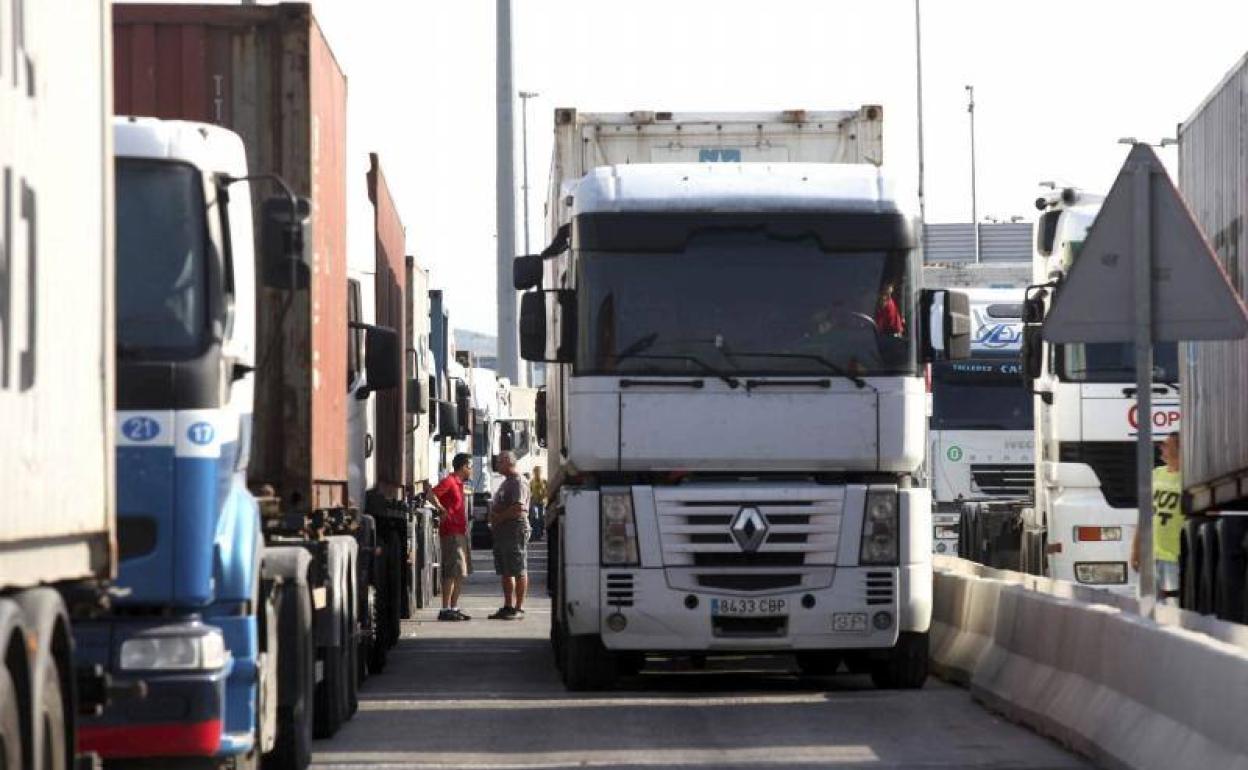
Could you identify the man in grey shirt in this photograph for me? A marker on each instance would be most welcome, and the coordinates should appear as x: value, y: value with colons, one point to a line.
x: 509, y: 524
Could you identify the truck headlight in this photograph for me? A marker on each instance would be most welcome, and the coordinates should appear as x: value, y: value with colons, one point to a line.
x: 880, y: 530
x: 619, y: 529
x: 202, y: 651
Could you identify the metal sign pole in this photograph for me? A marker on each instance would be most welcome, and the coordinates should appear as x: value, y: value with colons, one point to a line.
x: 1142, y: 242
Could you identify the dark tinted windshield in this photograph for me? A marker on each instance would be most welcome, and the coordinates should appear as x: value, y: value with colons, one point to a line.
x: 1115, y: 362
x: 746, y: 302
x: 980, y: 394
x: 161, y: 266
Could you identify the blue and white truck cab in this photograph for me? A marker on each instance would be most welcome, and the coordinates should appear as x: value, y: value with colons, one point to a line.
x: 192, y: 618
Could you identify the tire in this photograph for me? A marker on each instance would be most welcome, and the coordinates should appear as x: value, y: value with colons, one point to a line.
x: 818, y: 662
x: 393, y: 619
x: 1231, y: 565
x: 905, y: 667
x: 330, y: 700
x: 1206, y: 578
x: 587, y: 665
x: 366, y: 664
x: 1189, y: 564
x: 53, y: 750
x: 296, y: 680
x: 964, y: 535
x: 10, y: 723
x: 351, y: 638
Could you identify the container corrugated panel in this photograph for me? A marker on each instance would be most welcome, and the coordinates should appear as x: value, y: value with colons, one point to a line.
x: 391, y: 280
x: 1213, y: 178
x: 267, y: 73
x: 998, y: 242
x: 56, y: 295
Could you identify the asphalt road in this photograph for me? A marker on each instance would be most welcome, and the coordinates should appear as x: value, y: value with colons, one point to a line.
x: 484, y: 695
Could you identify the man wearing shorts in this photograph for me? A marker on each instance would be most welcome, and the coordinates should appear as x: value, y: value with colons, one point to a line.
x: 448, y: 498
x: 509, y: 525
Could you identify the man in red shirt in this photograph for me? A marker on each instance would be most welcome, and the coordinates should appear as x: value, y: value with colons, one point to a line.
x: 448, y: 499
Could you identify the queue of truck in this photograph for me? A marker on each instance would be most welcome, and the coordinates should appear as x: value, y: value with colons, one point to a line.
x: 217, y: 516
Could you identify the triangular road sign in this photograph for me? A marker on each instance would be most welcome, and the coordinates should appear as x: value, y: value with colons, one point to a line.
x: 1192, y: 299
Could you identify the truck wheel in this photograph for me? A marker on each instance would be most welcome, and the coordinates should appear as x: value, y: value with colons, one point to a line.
x: 351, y: 638
x: 905, y: 668
x: 296, y: 679
x: 1206, y: 585
x: 331, y: 693
x: 10, y: 724
x: 51, y: 711
x: 1189, y: 564
x: 393, y: 623
x: 587, y: 665
x: 1231, y: 564
x: 365, y: 663
x: 818, y: 662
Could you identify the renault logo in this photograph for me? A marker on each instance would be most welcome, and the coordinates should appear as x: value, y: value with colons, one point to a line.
x: 749, y: 529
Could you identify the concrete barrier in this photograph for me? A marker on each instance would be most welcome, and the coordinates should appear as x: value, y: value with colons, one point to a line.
x: 1081, y: 666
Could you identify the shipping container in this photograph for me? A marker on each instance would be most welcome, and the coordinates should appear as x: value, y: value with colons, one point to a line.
x: 56, y: 296
x: 389, y: 242
x: 585, y: 140
x: 267, y: 73
x: 1213, y: 178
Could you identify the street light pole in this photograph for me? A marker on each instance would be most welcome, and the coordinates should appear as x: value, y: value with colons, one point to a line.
x: 970, y: 108
x: 918, y: 73
x: 525, y: 96
x: 508, y: 330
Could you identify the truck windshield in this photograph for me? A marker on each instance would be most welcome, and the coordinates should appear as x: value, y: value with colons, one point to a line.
x: 1115, y: 362
x: 980, y: 394
x: 746, y: 303
x: 161, y: 265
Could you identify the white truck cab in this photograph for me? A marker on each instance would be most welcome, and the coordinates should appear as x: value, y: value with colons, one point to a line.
x: 980, y: 444
x: 1083, y: 519
x: 736, y: 417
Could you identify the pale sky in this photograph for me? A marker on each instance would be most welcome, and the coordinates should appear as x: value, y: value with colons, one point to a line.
x: 1057, y: 84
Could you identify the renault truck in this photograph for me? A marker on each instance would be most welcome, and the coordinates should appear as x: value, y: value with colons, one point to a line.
x: 731, y: 313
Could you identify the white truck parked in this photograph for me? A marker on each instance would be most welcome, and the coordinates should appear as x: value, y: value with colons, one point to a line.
x: 58, y: 536
x: 1083, y: 519
x: 980, y: 445
x: 736, y: 404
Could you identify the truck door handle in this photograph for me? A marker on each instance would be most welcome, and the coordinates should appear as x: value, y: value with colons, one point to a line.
x: 1129, y: 392
x: 662, y: 383
x: 752, y: 384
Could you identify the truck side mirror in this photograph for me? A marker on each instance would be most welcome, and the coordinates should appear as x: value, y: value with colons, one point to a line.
x: 946, y: 335
x: 536, y: 308
x: 285, y: 243
x: 539, y: 426
x: 506, y: 437
x: 448, y: 420
x: 463, y: 409
x: 1032, y: 353
x: 382, y: 362
x: 417, y: 399
x: 526, y: 271
x: 1033, y: 309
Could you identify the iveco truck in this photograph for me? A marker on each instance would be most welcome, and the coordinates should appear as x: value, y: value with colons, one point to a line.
x: 1083, y: 518
x: 736, y: 405
x: 980, y: 446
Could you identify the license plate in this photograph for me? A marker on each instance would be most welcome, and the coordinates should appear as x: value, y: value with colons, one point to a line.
x: 849, y: 622
x: 749, y: 608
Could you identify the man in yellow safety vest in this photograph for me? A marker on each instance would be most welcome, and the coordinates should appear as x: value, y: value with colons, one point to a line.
x: 1167, y: 521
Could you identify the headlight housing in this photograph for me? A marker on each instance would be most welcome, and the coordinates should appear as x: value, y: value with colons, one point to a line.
x: 194, y: 649
x: 619, y: 529
x: 881, y: 531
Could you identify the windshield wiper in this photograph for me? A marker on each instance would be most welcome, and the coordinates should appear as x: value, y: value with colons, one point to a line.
x: 638, y: 345
x: 832, y: 366
x: 731, y: 381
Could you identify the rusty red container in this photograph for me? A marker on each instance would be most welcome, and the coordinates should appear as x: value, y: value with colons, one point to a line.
x: 267, y: 73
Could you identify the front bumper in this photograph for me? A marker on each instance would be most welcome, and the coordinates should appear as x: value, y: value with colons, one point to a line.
x: 663, y: 612
x: 181, y: 715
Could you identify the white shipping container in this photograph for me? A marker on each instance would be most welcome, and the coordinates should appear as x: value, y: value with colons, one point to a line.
x: 1213, y: 178
x: 56, y: 292
x: 584, y: 141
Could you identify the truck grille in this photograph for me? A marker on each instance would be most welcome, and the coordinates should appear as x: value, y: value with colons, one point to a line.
x: 1003, y: 479
x: 802, y: 525
x: 1113, y: 462
x: 619, y: 589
